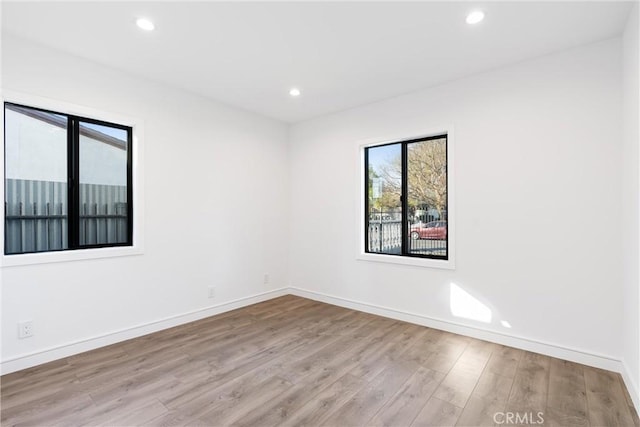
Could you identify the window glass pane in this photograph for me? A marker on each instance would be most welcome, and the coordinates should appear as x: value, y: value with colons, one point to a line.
x: 35, y: 180
x: 103, y: 184
x: 427, y: 197
x: 384, y: 225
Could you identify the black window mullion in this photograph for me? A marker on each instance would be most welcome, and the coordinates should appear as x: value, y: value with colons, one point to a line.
x: 404, y: 200
x: 446, y: 180
x: 4, y: 176
x: 130, y: 187
x: 73, y: 168
x: 366, y: 200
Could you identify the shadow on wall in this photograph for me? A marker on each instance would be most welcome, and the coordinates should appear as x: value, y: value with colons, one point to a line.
x: 466, y: 306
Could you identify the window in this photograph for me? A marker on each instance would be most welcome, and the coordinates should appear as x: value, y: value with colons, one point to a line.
x: 406, y: 198
x: 68, y: 182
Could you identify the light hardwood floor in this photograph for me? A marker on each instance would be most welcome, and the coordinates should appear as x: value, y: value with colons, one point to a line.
x: 292, y: 361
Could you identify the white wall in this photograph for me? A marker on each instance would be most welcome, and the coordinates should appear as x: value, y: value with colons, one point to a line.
x: 631, y: 208
x: 538, y: 202
x: 216, y: 195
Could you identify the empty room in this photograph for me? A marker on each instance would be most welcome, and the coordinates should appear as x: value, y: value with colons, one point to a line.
x: 320, y: 213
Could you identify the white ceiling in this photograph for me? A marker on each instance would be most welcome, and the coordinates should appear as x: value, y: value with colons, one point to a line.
x: 340, y: 55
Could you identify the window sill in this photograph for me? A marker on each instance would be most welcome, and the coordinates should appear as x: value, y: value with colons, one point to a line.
x: 405, y: 260
x: 68, y: 256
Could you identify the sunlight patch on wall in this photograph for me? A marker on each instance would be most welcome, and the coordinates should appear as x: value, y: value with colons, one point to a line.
x: 468, y: 307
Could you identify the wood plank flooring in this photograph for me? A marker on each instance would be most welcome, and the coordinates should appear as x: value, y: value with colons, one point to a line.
x: 292, y: 362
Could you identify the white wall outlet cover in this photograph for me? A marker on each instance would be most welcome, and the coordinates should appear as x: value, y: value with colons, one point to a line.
x: 25, y: 329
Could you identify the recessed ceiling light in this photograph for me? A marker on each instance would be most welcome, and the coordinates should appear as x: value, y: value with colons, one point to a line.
x: 145, y: 24
x: 475, y: 17
x: 294, y: 91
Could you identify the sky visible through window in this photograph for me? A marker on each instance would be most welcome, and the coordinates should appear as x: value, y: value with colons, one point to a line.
x: 382, y: 155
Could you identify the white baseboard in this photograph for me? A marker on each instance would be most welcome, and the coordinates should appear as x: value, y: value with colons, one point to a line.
x: 58, y: 352
x: 549, y: 349
x: 632, y: 386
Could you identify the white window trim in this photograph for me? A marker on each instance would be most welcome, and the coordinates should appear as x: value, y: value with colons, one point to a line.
x: 137, y: 124
x: 448, y: 264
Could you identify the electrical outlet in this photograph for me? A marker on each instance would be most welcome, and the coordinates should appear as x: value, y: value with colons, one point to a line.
x: 25, y: 329
x: 266, y: 278
x: 212, y: 292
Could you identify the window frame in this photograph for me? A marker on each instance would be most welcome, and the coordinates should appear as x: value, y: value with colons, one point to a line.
x: 405, y: 258
x: 135, y: 192
x: 75, y: 196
